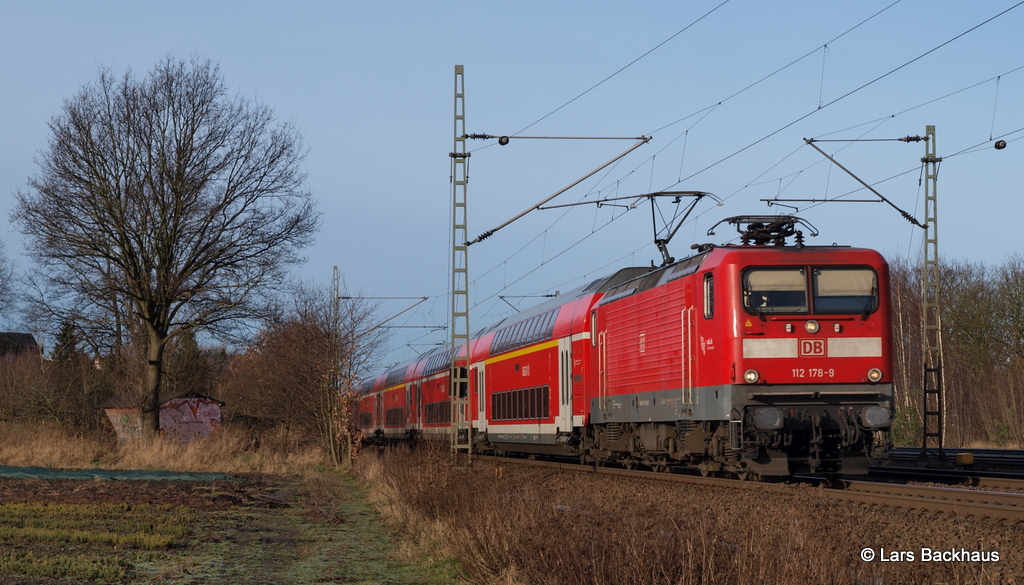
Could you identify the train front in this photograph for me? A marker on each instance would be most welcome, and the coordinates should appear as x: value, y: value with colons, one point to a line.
x: 811, y: 376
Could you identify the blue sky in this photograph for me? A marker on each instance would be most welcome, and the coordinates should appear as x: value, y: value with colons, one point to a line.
x: 370, y: 84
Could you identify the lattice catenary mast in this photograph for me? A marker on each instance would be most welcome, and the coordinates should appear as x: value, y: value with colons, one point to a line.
x: 461, y: 439
x: 932, y: 402
x: 932, y: 407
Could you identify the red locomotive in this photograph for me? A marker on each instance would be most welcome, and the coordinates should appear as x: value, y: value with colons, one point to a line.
x: 759, y: 358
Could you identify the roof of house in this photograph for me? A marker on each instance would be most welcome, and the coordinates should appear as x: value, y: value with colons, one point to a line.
x: 165, y: 397
x: 11, y: 342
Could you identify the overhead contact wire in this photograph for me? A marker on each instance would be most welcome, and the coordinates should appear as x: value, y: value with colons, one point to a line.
x: 623, y: 68
x: 853, y: 91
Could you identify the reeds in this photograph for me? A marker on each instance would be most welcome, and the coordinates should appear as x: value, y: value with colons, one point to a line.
x: 230, y: 450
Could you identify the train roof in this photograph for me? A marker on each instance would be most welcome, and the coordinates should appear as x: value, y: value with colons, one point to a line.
x: 691, y: 264
x: 437, y: 358
x: 598, y: 286
x: 760, y: 235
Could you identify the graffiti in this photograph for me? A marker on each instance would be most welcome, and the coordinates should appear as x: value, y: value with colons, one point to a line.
x: 127, y: 423
x: 188, y: 418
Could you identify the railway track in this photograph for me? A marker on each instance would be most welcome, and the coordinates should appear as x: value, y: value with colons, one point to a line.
x: 1002, y: 458
x: 952, y: 500
x: 960, y: 501
x: 982, y: 480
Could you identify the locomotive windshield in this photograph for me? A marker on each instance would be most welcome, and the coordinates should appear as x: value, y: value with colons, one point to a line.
x: 775, y: 290
x: 833, y: 290
x: 845, y: 290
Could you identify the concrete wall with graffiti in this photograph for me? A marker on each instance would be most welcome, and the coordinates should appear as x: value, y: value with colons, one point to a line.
x: 184, y: 417
x: 127, y: 423
x: 189, y: 417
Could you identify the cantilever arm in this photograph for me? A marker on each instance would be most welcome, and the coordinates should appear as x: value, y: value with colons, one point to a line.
x: 642, y: 140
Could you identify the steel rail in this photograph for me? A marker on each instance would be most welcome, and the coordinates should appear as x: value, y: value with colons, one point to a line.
x: 1006, y: 456
x: 979, y: 479
x: 968, y: 502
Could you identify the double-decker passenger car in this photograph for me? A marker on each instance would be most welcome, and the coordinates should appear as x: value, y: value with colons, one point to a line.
x: 761, y: 358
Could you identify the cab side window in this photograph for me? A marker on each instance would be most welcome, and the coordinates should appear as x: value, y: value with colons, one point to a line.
x: 709, y: 295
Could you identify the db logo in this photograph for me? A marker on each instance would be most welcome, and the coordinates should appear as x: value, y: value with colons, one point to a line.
x: 812, y: 347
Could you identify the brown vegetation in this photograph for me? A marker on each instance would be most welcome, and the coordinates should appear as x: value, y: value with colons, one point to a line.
x: 299, y: 373
x: 300, y: 524
x: 234, y: 451
x: 982, y: 316
x: 165, y: 206
x: 293, y: 381
x: 509, y: 524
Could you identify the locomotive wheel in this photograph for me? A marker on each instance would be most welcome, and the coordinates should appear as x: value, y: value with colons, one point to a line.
x: 660, y: 465
x: 747, y: 475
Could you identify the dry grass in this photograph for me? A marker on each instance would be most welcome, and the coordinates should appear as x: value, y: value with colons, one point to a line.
x: 525, y: 525
x: 228, y: 451
x: 49, y: 446
x: 326, y: 532
x: 551, y: 527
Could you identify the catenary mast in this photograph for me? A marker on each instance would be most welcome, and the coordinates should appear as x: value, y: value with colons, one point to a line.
x: 461, y: 439
x: 932, y: 414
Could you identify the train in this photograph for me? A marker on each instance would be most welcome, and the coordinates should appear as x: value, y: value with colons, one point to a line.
x: 764, y: 357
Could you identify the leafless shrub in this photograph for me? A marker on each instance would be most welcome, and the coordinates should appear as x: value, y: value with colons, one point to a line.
x: 301, y: 371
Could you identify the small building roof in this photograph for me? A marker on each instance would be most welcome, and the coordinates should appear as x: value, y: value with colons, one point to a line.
x: 11, y: 342
x: 165, y: 397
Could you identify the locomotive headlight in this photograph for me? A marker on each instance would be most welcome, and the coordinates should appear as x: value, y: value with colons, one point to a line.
x: 768, y: 419
x: 812, y: 326
x: 874, y: 375
x: 751, y: 376
x: 875, y: 416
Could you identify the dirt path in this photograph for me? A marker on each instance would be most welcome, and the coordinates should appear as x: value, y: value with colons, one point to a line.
x: 259, y: 530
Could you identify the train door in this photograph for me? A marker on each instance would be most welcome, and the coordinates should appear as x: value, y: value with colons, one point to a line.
x: 688, y: 336
x: 563, y: 422
x: 602, y: 371
x: 379, y: 403
x: 408, y: 406
x: 481, y: 396
x: 417, y: 400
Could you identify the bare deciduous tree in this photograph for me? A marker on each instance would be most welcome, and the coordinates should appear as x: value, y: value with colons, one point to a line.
x: 905, y: 280
x: 6, y: 280
x: 304, y: 367
x: 170, y: 195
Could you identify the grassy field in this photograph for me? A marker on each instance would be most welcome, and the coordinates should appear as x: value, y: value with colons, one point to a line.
x: 403, y: 517
x: 285, y: 519
x: 314, y: 529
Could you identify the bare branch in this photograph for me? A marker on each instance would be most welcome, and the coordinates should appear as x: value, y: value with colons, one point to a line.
x: 171, y: 195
